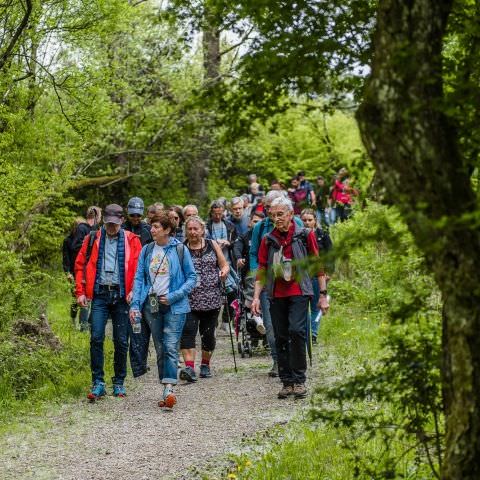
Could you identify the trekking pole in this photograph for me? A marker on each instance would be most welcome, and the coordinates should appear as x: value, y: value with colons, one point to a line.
x: 230, y: 327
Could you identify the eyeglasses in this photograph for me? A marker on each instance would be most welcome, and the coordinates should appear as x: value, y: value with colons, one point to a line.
x: 175, y: 218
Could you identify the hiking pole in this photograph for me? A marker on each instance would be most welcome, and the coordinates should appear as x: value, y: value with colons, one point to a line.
x: 230, y: 328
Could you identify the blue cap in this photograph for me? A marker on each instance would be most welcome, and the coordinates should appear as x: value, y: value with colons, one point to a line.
x: 135, y: 206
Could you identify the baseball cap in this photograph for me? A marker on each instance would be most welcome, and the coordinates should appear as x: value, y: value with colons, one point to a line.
x: 135, y: 206
x: 113, y: 214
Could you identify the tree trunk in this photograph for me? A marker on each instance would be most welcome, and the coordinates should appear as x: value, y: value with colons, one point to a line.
x: 199, y: 168
x: 414, y: 149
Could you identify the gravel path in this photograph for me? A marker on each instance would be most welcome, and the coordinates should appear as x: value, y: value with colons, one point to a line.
x: 132, y: 438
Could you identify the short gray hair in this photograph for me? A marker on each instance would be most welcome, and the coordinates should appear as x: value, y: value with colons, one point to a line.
x: 189, y: 206
x: 236, y: 200
x: 273, y: 194
x: 283, y: 202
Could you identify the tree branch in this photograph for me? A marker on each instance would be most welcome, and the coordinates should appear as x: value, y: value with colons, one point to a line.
x: 17, y: 34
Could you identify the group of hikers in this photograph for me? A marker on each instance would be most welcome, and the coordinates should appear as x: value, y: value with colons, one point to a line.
x: 167, y: 276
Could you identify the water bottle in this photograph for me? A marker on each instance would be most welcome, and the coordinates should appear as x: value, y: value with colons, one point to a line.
x: 137, y: 326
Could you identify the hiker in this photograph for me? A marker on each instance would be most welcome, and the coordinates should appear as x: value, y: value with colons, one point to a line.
x: 153, y: 210
x: 223, y: 232
x: 300, y: 195
x: 175, y: 212
x: 342, y: 195
x: 71, y: 246
x: 289, y: 288
x: 134, y: 223
x: 104, y: 272
x: 259, y: 231
x: 238, y: 218
x: 164, y: 278
x: 205, y: 299
x: 190, y: 211
x: 324, y: 243
x: 322, y: 201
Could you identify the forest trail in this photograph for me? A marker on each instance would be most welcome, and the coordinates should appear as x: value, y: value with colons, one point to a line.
x: 133, y: 438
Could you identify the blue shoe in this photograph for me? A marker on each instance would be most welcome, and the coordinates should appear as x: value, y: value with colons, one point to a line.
x: 97, y: 391
x: 205, y: 371
x: 119, y: 391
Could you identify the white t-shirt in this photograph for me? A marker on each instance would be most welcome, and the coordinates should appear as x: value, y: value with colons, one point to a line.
x: 159, y: 271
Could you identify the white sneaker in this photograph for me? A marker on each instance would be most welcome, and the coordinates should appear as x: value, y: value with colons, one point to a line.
x: 259, y: 325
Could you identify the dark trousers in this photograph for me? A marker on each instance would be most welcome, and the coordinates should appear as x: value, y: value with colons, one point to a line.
x: 203, y: 321
x: 289, y: 318
x: 104, y: 305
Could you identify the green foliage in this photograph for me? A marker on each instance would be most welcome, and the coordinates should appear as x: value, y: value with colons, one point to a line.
x: 385, y: 275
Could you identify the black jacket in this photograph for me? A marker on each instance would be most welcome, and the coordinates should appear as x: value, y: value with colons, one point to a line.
x: 241, y: 249
x: 231, y: 235
x: 142, y: 231
x: 72, y: 245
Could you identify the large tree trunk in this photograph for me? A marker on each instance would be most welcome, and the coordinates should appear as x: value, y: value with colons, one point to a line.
x: 414, y: 149
x: 199, y: 169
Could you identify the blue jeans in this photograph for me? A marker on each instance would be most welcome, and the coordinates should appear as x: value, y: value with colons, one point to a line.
x: 315, y: 313
x: 267, y: 321
x: 166, y: 329
x: 104, y: 305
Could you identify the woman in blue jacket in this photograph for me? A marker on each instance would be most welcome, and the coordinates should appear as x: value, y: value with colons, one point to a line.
x: 164, y: 278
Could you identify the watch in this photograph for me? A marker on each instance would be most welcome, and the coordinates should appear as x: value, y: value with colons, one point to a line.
x: 322, y: 292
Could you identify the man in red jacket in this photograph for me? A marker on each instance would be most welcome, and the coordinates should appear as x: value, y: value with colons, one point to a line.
x: 104, y: 274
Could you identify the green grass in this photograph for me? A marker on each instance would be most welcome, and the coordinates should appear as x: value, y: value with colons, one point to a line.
x: 303, y: 449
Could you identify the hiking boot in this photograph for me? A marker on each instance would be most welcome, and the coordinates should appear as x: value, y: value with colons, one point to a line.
x: 188, y: 374
x: 286, y: 391
x: 97, y: 391
x: 299, y: 390
x: 119, y: 391
x: 274, y: 370
x: 314, y: 340
x: 205, y: 371
x: 169, y: 399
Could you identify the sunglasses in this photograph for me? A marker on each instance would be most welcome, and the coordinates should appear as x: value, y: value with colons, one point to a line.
x: 134, y: 215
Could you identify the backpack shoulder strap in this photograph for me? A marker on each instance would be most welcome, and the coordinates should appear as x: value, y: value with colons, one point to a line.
x: 91, y: 240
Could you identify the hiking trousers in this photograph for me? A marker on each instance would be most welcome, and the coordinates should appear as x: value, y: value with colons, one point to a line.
x: 289, y: 318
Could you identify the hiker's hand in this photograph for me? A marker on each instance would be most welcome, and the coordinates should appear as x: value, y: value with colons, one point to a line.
x: 82, y: 301
x: 132, y: 315
x: 223, y: 273
x: 163, y: 300
x: 323, y: 304
x: 240, y: 263
x: 223, y: 243
x: 255, y: 306
x: 129, y: 298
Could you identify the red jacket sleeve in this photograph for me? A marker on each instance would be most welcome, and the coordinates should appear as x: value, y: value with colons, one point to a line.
x: 80, y: 268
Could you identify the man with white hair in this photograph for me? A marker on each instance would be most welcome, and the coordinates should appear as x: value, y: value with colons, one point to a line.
x: 289, y: 288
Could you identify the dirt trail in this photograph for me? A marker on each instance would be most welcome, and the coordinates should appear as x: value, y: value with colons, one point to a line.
x: 132, y: 438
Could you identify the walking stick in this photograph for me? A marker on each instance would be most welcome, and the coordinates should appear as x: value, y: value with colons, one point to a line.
x: 309, y: 337
x: 230, y: 327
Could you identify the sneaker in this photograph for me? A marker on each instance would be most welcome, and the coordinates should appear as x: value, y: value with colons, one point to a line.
x: 286, y: 391
x: 97, y: 391
x: 119, y: 391
x: 259, y: 325
x: 274, y: 370
x: 205, y: 371
x: 188, y: 374
x: 169, y: 399
x: 314, y: 340
x: 299, y: 390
